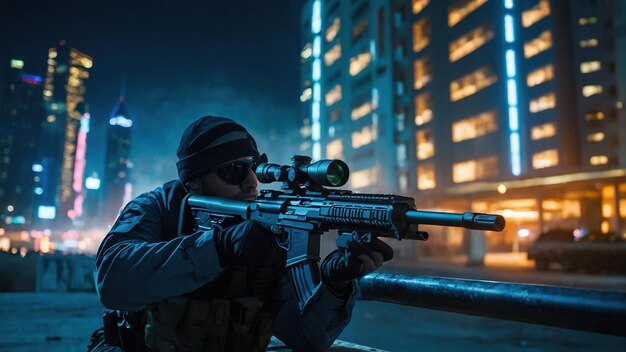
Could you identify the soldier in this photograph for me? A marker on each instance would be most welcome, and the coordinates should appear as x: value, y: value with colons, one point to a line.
x: 169, y: 288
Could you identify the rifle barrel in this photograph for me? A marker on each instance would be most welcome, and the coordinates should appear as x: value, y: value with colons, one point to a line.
x: 475, y: 221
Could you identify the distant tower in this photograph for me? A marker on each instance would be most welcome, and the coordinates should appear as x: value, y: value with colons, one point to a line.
x: 116, y: 186
x: 21, y: 114
x: 64, y: 96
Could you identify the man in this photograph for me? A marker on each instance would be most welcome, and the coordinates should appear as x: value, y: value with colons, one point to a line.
x: 172, y: 289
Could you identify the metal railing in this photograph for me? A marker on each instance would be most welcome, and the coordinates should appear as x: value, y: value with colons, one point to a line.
x: 579, y: 309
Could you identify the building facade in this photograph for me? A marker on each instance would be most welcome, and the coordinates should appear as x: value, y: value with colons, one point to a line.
x: 502, y: 106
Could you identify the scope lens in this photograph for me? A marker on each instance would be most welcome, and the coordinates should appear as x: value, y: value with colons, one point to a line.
x: 335, y: 174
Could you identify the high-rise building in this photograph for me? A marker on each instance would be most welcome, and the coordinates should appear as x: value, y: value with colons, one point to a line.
x: 502, y: 106
x: 21, y: 115
x: 116, y: 183
x: 64, y: 98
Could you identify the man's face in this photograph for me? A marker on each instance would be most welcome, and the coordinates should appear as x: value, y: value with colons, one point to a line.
x: 214, y: 185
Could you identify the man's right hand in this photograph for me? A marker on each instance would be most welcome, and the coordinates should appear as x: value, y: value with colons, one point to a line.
x: 250, y: 243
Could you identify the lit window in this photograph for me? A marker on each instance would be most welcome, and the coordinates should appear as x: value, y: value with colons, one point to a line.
x: 472, y: 83
x: 422, y: 72
x: 461, y: 8
x: 594, y: 116
x: 419, y: 5
x: 423, y: 108
x: 359, y: 28
x: 306, y: 52
x: 595, y: 137
x: 535, y: 13
x: 361, y: 110
x: 426, y: 176
x: 584, y: 21
x: 535, y: 46
x: 363, y: 178
x: 546, y: 130
x: 333, y: 95
x: 592, y: 89
x: 475, y: 126
x: 306, y: 94
x: 588, y: 43
x: 333, y: 29
x: 476, y: 169
x: 590, y: 66
x: 469, y: 42
x: 334, y: 149
x: 332, y: 55
x: 546, y: 158
x: 540, y: 75
x: 544, y: 102
x: 421, y: 34
x: 425, y: 143
x: 360, y: 62
x: 363, y: 137
x: 599, y: 160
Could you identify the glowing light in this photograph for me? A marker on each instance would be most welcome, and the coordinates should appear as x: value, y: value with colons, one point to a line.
x: 508, y: 4
x: 513, y: 118
x: 18, y: 64
x: 44, y: 244
x: 316, y: 19
x: 10, y: 208
x: 317, y: 46
x: 92, y: 183
x: 2, y: 231
x: 523, y: 233
x: 605, y: 227
x: 5, y: 244
x: 37, y: 168
x: 317, y: 151
x: 46, y: 212
x: 120, y: 121
x: 510, y: 63
x: 511, y: 92
x: 501, y: 189
x: 31, y: 79
x: 317, y: 69
x: 509, y: 34
x: 38, y: 191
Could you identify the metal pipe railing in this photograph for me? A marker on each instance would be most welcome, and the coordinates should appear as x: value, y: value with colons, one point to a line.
x: 579, y: 309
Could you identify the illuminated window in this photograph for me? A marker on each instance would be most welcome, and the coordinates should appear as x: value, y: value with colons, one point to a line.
x: 306, y: 94
x: 535, y: 46
x: 333, y: 95
x: 535, y: 13
x: 332, y: 55
x: 333, y: 29
x: 422, y: 72
x: 544, y: 102
x: 592, y: 89
x: 584, y: 21
x: 459, y: 9
x: 594, y: 116
x: 363, y: 137
x: 425, y: 143
x: 306, y: 52
x: 546, y: 158
x: 361, y: 110
x: 475, y: 126
x: 419, y: 5
x: 421, y: 34
x: 359, y: 28
x: 546, y: 130
x: 599, y: 160
x: 540, y: 75
x: 334, y: 149
x: 590, y: 66
x: 426, y: 176
x: 423, y: 108
x: 360, y: 62
x: 595, y: 137
x: 476, y: 169
x: 469, y: 42
x: 472, y: 83
x: 363, y: 178
x: 588, y: 43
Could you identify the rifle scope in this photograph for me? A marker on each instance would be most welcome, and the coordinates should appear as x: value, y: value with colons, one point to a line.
x: 331, y: 173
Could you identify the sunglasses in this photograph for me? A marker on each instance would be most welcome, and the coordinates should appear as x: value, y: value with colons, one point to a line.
x: 235, y: 172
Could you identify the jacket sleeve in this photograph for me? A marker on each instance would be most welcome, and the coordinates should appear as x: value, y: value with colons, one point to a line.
x: 135, y: 267
x: 320, y: 325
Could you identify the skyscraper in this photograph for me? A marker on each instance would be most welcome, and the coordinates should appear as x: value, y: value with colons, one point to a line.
x: 64, y: 98
x: 502, y: 106
x: 116, y: 184
x: 21, y: 115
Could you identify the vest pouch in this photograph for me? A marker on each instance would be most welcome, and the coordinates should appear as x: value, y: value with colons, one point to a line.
x: 163, y: 319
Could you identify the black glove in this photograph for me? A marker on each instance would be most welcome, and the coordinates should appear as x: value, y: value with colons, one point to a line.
x: 344, y: 264
x: 250, y: 243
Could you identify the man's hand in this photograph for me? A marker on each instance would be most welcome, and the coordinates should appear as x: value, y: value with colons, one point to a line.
x: 362, y: 256
x: 249, y: 242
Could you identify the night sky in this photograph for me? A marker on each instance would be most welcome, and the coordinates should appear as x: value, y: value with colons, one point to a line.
x: 181, y: 60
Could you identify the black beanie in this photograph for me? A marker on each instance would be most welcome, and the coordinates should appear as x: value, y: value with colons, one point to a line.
x: 210, y: 141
